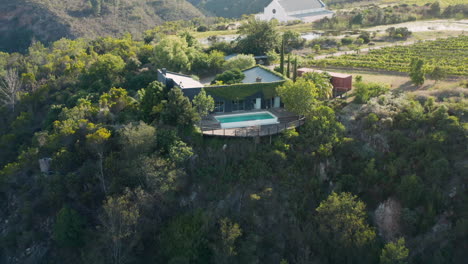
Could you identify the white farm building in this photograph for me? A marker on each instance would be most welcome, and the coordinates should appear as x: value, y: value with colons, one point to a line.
x: 289, y: 10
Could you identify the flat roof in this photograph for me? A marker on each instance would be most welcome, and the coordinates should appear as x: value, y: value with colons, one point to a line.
x: 333, y: 74
x: 184, y: 81
x: 254, y: 72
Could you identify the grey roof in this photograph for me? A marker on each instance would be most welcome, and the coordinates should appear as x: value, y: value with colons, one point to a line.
x: 184, y: 81
x: 314, y: 13
x: 299, y: 5
x: 267, y: 76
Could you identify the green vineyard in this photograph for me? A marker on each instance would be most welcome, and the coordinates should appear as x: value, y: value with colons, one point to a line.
x: 450, y: 54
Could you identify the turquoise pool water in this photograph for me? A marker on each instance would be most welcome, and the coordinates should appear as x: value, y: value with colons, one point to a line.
x: 241, y: 118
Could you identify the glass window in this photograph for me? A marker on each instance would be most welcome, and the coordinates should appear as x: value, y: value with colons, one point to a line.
x: 219, y: 107
x: 238, y: 105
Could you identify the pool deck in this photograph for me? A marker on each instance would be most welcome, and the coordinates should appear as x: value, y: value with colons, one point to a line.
x: 287, y: 120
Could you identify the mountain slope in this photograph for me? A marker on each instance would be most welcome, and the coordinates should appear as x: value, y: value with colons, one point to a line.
x: 49, y: 20
x: 231, y: 8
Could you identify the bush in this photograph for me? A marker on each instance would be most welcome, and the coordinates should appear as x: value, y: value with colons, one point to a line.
x: 230, y: 77
x: 365, y: 91
x: 346, y: 41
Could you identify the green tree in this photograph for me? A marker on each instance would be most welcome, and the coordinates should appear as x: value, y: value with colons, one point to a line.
x: 203, y: 103
x: 69, y: 228
x: 292, y: 40
x: 151, y: 101
x: 322, y: 83
x: 258, y: 37
x: 322, y: 131
x: 317, y: 48
x: 178, y: 110
x: 342, y: 222
x: 180, y: 151
x: 394, y: 253
x: 365, y: 91
x: 119, y: 220
x: 282, y: 56
x: 299, y: 97
x: 438, y: 73
x: 230, y: 77
x: 96, y: 142
x: 229, y: 233
x: 174, y: 53
x: 434, y: 9
x: 137, y: 138
x: 417, y: 71
x: 105, y: 72
x: 184, y: 239
x: 295, y: 70
x: 239, y: 62
x: 410, y: 190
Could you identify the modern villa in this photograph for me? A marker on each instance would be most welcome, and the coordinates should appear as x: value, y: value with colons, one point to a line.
x: 251, y: 103
x: 256, y: 91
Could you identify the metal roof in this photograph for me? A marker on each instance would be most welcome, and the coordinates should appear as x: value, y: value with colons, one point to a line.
x: 332, y: 74
x: 184, y: 81
x: 300, y: 5
x: 267, y: 76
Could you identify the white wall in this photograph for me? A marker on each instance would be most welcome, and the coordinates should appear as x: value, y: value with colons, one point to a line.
x: 280, y: 14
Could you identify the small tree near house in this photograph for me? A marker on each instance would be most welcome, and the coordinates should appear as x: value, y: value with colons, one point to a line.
x: 203, y: 104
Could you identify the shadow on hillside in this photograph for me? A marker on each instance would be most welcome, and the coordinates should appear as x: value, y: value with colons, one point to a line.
x: 80, y: 13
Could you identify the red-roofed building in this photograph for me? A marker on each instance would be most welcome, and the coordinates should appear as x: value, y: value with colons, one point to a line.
x: 341, y: 82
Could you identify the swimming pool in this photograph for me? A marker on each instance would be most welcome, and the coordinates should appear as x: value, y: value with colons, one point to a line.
x: 247, y: 119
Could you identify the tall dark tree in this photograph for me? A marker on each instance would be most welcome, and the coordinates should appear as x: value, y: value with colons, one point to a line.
x: 178, y: 111
x: 295, y: 70
x: 282, y: 56
x: 69, y: 228
x: 151, y: 99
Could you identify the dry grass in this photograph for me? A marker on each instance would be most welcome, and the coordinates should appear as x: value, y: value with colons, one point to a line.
x: 401, y: 82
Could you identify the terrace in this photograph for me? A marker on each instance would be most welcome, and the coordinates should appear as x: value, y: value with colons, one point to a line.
x: 285, y: 120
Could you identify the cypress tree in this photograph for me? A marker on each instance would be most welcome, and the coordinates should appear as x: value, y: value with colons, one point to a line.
x: 282, y: 56
x: 295, y: 70
x: 288, y: 73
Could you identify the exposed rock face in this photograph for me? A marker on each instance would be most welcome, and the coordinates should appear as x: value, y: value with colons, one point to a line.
x: 44, y: 165
x: 387, y: 218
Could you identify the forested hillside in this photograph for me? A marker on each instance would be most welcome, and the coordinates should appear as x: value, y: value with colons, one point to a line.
x: 22, y: 21
x: 100, y: 163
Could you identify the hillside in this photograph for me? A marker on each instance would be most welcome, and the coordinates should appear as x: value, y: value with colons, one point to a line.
x: 48, y: 20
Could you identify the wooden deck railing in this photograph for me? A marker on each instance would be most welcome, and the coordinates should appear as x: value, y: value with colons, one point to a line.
x: 255, y: 131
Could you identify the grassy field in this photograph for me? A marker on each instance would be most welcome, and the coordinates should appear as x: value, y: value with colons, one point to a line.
x: 397, y: 81
x: 423, y: 2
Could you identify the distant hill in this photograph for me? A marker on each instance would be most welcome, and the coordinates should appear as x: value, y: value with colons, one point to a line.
x: 231, y: 8
x: 21, y: 21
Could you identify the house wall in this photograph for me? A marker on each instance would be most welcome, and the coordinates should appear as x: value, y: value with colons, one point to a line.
x: 280, y: 14
x: 249, y: 101
x: 342, y: 83
x: 228, y: 106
